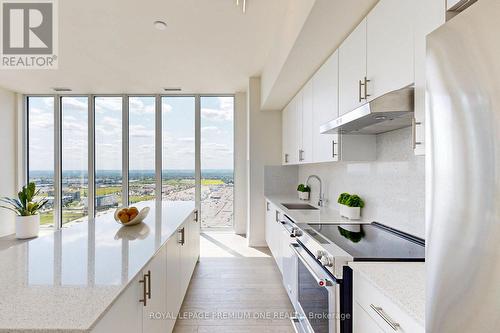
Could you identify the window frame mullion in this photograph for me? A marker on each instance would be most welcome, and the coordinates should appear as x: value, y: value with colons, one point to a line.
x: 57, y: 163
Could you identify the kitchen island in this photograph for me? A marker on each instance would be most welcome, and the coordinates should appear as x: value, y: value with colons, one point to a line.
x: 71, y: 280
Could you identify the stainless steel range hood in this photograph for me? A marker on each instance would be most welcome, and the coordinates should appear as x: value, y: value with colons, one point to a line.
x: 386, y: 113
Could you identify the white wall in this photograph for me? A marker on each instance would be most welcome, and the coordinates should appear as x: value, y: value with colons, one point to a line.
x: 240, y: 163
x: 264, y: 148
x: 8, y: 165
x: 393, y: 186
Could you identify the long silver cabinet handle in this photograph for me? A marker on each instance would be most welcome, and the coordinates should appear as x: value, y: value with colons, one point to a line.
x: 144, y: 299
x: 378, y: 310
x: 366, y: 88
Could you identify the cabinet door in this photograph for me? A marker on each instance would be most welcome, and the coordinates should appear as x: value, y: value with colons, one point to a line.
x: 362, y: 322
x: 295, y: 128
x: 390, y: 53
x: 157, y: 286
x: 285, y: 135
x: 325, y: 108
x: 306, y: 124
x: 430, y: 14
x: 174, y: 296
x: 352, y: 69
x: 126, y: 313
x: 269, y: 221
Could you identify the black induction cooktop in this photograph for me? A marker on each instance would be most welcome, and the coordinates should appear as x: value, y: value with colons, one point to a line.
x: 373, y: 242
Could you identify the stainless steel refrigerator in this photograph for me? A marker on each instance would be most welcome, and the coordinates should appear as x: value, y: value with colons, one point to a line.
x: 463, y: 172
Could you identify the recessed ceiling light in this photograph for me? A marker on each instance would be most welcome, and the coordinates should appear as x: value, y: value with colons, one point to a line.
x: 61, y: 89
x: 173, y: 89
x: 160, y: 25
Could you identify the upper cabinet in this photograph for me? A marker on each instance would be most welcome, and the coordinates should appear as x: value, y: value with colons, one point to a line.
x: 352, y: 70
x: 306, y: 124
x: 385, y: 52
x: 325, y: 92
x: 290, y: 135
x: 389, y: 61
x: 430, y: 14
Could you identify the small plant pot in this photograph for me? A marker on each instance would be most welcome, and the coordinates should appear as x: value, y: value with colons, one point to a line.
x: 303, y: 195
x: 27, y: 226
x: 352, y: 213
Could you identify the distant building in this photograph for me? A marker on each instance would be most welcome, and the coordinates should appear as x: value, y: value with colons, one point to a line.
x: 106, y: 201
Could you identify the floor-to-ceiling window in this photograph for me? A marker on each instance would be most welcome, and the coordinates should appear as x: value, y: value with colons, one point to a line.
x: 217, y: 161
x: 141, y: 155
x: 178, y: 148
x: 40, y: 111
x: 74, y: 158
x: 108, y: 152
x: 104, y: 150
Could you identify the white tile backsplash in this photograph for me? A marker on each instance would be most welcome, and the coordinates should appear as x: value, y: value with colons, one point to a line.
x: 393, y: 186
x: 280, y: 179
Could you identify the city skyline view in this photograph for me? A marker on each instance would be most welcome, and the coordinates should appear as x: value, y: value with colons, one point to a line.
x: 178, y: 153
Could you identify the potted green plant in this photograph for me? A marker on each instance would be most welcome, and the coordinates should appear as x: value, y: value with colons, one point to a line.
x: 350, y: 206
x: 26, y: 209
x: 303, y: 191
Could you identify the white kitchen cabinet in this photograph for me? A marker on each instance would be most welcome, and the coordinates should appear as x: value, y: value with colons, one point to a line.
x: 125, y: 315
x: 129, y: 313
x: 305, y: 124
x: 290, y: 134
x: 362, y: 322
x: 325, y: 89
x: 380, y: 311
x: 273, y: 233
x: 429, y: 14
x: 390, y: 46
x: 155, y: 273
x: 352, y: 69
x: 174, y: 296
x: 285, y: 149
x: 163, y: 282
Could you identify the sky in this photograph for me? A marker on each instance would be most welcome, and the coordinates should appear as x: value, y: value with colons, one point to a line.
x: 177, y: 133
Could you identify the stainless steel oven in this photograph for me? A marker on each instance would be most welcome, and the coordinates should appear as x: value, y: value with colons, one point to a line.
x: 318, y: 295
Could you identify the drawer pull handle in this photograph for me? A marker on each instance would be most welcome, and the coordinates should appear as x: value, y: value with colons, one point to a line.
x: 395, y: 326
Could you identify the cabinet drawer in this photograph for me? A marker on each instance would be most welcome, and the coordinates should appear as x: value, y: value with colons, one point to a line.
x: 378, y: 306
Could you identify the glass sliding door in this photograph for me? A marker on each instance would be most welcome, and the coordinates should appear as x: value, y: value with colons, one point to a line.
x: 74, y: 163
x: 217, y: 161
x: 40, y: 111
x: 178, y: 148
x: 108, y: 152
x: 141, y: 149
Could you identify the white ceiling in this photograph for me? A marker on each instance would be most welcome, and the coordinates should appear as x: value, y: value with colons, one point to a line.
x: 110, y: 46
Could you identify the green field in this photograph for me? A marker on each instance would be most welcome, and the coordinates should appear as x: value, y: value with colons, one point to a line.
x: 108, y: 190
x: 211, y: 182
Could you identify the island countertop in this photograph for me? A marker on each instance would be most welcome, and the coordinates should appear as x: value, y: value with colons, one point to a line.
x: 66, y: 280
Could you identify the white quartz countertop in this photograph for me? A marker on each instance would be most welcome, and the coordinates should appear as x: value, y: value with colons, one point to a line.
x: 401, y: 282
x: 64, y: 281
x: 325, y: 215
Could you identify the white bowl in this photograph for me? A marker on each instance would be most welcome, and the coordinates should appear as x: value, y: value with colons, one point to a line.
x: 138, y: 219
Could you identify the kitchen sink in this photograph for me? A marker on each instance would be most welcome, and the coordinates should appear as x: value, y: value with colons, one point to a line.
x: 299, y: 206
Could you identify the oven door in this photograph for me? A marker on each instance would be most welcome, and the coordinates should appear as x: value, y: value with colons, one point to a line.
x: 317, y: 295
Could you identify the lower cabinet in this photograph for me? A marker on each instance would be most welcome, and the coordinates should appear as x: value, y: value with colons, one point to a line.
x: 273, y: 233
x: 153, y: 300
x: 375, y: 312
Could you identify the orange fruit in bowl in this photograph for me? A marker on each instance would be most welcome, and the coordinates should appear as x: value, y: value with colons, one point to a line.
x: 124, y: 217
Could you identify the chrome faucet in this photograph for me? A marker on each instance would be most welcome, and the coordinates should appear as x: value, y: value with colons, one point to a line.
x: 321, y: 201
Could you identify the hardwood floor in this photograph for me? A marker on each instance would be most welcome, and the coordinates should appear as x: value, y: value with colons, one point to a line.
x: 234, y: 289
